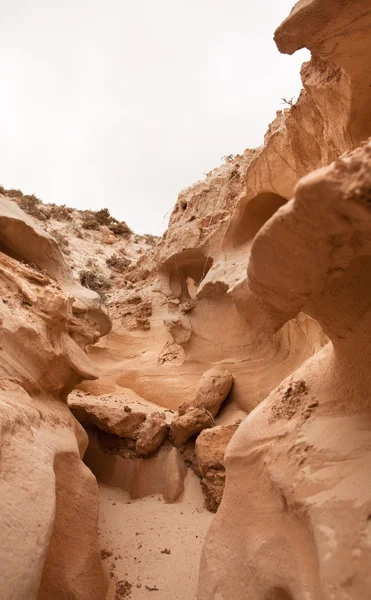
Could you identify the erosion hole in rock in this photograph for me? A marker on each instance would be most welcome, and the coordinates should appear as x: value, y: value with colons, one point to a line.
x: 254, y: 215
x: 194, y: 273
x: 188, y: 269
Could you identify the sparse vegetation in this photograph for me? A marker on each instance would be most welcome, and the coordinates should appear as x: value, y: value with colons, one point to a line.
x: 121, y: 228
x: 288, y: 101
x: 32, y: 205
x: 61, y: 239
x: 94, y: 219
x: 89, y: 222
x: 118, y: 263
x: 92, y: 264
x: 61, y: 213
x: 14, y: 193
x: 228, y: 157
x: 151, y: 239
x: 96, y: 282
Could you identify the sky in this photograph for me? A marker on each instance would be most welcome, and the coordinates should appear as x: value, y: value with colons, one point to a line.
x: 122, y: 104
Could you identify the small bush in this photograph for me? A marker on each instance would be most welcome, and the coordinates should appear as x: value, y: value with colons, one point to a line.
x: 32, y: 205
x: 103, y: 216
x: 92, y: 264
x: 94, y: 281
x: 2, y: 189
x: 121, y: 228
x: 90, y: 223
x: 94, y: 219
x: 14, y: 193
x: 151, y: 239
x: 118, y: 263
x: 61, y: 213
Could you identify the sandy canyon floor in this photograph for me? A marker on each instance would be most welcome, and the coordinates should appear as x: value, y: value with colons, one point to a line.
x: 152, y: 549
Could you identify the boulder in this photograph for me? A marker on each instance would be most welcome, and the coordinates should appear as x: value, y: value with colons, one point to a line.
x: 112, y: 416
x: 213, y: 388
x: 192, y: 421
x: 210, y: 449
x: 152, y: 434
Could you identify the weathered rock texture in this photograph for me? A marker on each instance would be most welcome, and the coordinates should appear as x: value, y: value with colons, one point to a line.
x: 246, y: 284
x: 152, y: 434
x: 190, y: 421
x: 214, y: 386
x: 48, y: 497
x: 210, y: 449
x: 295, y: 517
x: 112, y: 414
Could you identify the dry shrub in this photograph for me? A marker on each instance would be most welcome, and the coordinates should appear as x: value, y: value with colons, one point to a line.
x: 94, y: 219
x: 32, y: 205
x: 151, y: 239
x: 118, y: 263
x: 14, y: 193
x: 96, y: 282
x: 61, y: 213
x: 89, y: 222
x: 103, y: 216
x: 121, y: 228
x: 92, y: 264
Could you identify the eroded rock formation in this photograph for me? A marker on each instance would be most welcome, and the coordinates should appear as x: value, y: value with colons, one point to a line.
x: 247, y: 286
x: 295, y: 517
x: 48, y: 497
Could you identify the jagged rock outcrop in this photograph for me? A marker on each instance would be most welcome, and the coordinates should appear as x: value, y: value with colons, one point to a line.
x: 48, y: 497
x: 294, y: 521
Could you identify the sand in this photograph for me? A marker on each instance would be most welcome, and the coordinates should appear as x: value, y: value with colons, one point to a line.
x: 138, y: 532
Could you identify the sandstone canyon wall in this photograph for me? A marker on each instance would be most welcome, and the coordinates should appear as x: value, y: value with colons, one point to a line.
x: 253, y: 306
x: 295, y: 516
x: 294, y: 522
x: 202, y: 258
x: 48, y: 497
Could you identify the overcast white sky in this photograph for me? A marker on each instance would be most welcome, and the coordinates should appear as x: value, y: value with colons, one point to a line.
x: 122, y: 104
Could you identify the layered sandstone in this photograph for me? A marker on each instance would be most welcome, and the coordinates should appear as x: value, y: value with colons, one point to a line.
x: 247, y: 286
x: 48, y: 497
x: 295, y: 517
